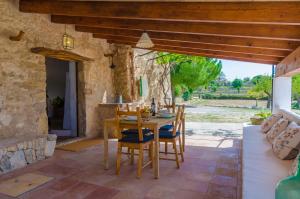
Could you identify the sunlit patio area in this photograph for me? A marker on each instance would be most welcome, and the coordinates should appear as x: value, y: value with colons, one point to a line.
x: 212, y: 170
x: 96, y: 100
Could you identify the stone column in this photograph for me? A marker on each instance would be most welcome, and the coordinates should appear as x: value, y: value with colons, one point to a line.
x: 282, y: 93
x: 123, y: 72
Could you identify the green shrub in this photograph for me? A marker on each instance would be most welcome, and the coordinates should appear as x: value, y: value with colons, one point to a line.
x: 263, y: 114
x: 221, y: 96
x: 295, y: 105
x: 177, y: 90
x: 186, y: 95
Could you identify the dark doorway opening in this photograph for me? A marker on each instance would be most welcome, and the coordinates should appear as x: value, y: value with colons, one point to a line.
x: 62, y: 98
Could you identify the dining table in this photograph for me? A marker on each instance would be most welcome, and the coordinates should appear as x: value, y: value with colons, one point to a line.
x: 154, y: 123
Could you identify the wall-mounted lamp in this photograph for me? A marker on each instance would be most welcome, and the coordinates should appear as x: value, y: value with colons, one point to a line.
x: 68, y: 40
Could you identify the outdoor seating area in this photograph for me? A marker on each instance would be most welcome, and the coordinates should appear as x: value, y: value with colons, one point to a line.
x: 211, y: 169
x: 117, y: 99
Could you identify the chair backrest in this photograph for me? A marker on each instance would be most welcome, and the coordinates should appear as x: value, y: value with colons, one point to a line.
x: 178, y: 120
x: 170, y: 107
x: 122, y: 124
x: 133, y: 106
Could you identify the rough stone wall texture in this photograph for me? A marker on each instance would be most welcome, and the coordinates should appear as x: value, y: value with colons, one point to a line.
x: 23, y: 74
x: 130, y: 66
x: 122, y: 75
x: 147, y: 67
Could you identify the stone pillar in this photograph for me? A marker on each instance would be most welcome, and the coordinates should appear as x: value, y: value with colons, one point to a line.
x: 282, y: 93
x: 123, y: 76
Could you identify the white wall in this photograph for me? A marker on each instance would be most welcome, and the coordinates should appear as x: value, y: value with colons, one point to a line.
x: 282, y: 93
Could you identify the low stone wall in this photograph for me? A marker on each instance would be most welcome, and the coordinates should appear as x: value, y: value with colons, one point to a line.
x: 16, y: 154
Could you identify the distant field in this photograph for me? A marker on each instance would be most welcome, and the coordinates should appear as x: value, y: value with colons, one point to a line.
x: 228, y: 103
x: 222, y: 111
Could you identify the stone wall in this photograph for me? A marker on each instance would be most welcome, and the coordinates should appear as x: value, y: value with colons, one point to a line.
x: 147, y: 67
x: 130, y: 66
x: 23, y: 75
x: 18, y: 154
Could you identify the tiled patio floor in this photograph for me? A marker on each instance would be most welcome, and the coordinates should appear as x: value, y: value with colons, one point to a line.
x: 211, y: 171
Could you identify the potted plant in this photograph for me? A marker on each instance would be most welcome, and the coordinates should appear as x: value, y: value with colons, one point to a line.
x: 258, y: 118
x: 58, y: 107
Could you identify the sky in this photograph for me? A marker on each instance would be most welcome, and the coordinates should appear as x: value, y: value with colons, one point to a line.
x: 237, y: 69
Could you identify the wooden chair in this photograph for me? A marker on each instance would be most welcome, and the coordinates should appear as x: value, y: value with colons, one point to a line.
x: 183, y: 127
x: 171, y: 136
x: 172, y: 109
x: 133, y: 136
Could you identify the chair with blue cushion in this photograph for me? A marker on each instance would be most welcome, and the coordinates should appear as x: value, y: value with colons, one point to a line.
x: 133, y: 136
x: 171, y: 136
x: 171, y: 108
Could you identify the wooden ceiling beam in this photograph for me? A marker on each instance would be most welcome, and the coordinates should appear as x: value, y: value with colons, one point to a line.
x: 266, y: 31
x: 216, y: 56
x: 249, y: 12
x: 205, y: 51
x: 219, y: 40
x: 290, y: 65
x: 197, y: 45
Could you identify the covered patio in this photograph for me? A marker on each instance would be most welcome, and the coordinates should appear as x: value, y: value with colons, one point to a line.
x: 211, y: 170
x: 101, y: 68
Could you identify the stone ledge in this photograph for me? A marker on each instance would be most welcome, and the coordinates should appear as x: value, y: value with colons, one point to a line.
x: 4, y: 143
x: 18, y: 152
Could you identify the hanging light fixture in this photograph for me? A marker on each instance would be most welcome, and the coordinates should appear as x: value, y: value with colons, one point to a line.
x: 145, y: 41
x: 68, y: 40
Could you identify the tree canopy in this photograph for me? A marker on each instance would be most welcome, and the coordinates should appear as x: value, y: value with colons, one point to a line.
x: 190, y: 72
x: 262, y: 87
x: 296, y: 87
x: 237, y: 84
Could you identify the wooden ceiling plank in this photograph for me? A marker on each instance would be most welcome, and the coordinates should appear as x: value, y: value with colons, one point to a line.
x: 167, y: 42
x: 237, y: 41
x: 217, y: 56
x: 278, y: 32
x: 250, y: 12
x: 171, y: 44
x: 134, y: 40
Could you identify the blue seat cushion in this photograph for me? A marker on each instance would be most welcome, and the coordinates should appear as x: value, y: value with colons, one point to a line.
x: 167, y: 127
x: 168, y: 134
x: 134, y: 138
x: 135, y: 131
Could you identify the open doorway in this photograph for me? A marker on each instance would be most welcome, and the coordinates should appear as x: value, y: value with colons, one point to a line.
x: 62, y: 98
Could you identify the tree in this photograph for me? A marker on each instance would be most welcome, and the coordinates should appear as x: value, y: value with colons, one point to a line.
x: 189, y: 72
x: 237, y: 84
x: 263, y: 85
x: 296, y: 88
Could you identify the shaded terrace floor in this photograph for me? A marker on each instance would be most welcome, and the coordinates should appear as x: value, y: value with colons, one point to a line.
x: 211, y: 170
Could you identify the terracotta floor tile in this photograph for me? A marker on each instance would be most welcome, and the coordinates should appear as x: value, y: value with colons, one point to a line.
x: 55, y: 170
x: 224, y: 180
x: 226, y: 172
x: 40, y: 193
x: 78, y: 191
x: 207, y: 172
x: 103, y: 193
x: 222, y: 191
x: 63, y: 184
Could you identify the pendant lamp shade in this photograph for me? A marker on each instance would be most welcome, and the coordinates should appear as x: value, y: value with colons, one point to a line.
x: 145, y: 41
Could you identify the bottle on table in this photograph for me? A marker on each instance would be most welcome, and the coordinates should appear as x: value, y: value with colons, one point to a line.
x: 289, y: 187
x: 153, y: 107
